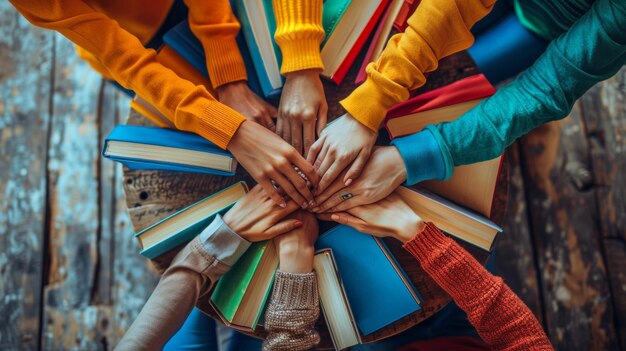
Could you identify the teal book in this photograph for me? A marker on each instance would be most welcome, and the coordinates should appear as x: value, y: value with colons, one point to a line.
x: 184, y: 225
x: 140, y: 147
x: 241, y: 293
x: 377, y: 288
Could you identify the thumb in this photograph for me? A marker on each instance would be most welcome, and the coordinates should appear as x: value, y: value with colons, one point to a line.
x: 282, y: 228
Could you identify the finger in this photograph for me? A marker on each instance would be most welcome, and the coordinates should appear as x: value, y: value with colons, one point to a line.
x: 334, y: 200
x: 349, y: 203
x: 308, y: 136
x: 272, y: 192
x: 305, y: 168
x: 296, y: 135
x: 315, y: 150
x: 286, y: 129
x: 356, y: 168
x: 281, y: 228
x: 299, y: 183
x: 291, y: 191
x: 348, y: 219
x: 269, y: 124
x: 327, y: 195
x: 279, y: 127
x: 331, y: 174
x: 320, y: 158
x: 273, y: 111
x: 322, y: 117
x: 324, y: 216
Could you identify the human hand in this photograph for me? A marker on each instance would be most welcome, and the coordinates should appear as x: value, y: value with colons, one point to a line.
x: 302, y: 107
x: 255, y: 217
x: 297, y: 247
x: 269, y: 159
x: 239, y: 97
x: 346, y: 142
x: 383, y: 173
x: 390, y: 216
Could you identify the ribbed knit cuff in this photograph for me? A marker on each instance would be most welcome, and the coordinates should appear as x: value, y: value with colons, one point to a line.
x: 453, y: 268
x: 295, y: 290
x: 368, y: 104
x: 299, y: 34
x: 422, y: 157
x: 301, y: 54
x: 224, y: 61
x: 208, y: 118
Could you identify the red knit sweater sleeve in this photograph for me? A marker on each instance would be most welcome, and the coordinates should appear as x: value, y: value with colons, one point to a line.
x: 500, y: 317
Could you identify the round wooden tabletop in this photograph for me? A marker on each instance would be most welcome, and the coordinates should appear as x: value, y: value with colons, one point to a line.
x: 154, y: 195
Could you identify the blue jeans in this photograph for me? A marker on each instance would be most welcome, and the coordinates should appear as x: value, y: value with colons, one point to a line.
x: 201, y: 333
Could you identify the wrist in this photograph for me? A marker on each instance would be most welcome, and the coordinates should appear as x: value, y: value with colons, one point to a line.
x: 231, y: 88
x: 413, y: 226
x: 296, y: 258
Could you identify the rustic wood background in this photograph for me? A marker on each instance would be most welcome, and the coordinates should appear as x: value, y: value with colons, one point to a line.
x: 71, y: 277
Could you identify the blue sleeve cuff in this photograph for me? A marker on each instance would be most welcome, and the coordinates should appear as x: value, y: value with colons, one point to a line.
x: 422, y: 157
x: 221, y: 242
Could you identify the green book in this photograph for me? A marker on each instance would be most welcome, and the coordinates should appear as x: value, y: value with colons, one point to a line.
x: 240, y: 294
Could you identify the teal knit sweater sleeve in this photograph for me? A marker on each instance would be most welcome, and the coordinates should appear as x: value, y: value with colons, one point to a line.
x: 592, y: 50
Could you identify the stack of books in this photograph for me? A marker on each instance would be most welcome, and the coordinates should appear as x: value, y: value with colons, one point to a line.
x: 348, y: 24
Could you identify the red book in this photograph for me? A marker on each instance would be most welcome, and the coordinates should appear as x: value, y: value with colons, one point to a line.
x: 342, y: 70
x: 407, y: 10
x: 460, y: 95
x: 471, y: 186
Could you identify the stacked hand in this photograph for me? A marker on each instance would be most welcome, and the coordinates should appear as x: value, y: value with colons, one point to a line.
x: 302, y: 109
x: 239, y: 97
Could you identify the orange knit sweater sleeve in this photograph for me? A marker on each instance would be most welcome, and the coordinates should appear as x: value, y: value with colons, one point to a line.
x: 215, y: 25
x: 438, y: 28
x: 190, y: 107
x: 502, y: 320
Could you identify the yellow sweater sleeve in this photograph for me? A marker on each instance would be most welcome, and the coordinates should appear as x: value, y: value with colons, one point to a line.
x: 438, y: 28
x: 299, y: 34
x: 188, y: 106
x: 215, y: 25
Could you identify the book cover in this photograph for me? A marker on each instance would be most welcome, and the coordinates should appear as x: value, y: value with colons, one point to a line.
x: 192, y: 230
x: 471, y: 88
x: 231, y: 288
x: 184, y: 42
x: 347, y: 62
x: 451, y: 218
x: 377, y: 293
x: 332, y: 11
x: 167, y: 138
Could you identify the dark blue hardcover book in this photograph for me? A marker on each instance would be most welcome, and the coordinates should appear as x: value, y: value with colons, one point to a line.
x: 139, y: 147
x: 378, y: 290
x: 184, y: 225
x: 184, y: 42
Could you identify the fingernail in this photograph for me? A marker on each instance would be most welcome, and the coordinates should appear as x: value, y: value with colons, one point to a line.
x: 298, y: 224
x: 334, y: 217
x: 348, y: 182
x: 312, y: 203
x: 282, y: 204
x: 316, y: 209
x: 305, y: 205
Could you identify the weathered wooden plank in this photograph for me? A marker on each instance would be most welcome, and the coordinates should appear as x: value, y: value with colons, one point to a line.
x: 574, y: 284
x: 134, y: 277
x: 25, y: 67
x: 107, y: 111
x: 514, y: 252
x: 604, y: 112
x: 70, y: 319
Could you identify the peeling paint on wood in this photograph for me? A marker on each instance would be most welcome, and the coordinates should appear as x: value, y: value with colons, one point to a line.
x: 25, y: 67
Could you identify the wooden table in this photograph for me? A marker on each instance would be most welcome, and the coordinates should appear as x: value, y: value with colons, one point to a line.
x: 153, y: 195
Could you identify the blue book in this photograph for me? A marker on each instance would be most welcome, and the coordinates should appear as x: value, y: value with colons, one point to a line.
x: 186, y: 224
x: 376, y: 287
x: 184, y: 42
x: 139, y: 147
x: 258, y: 26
